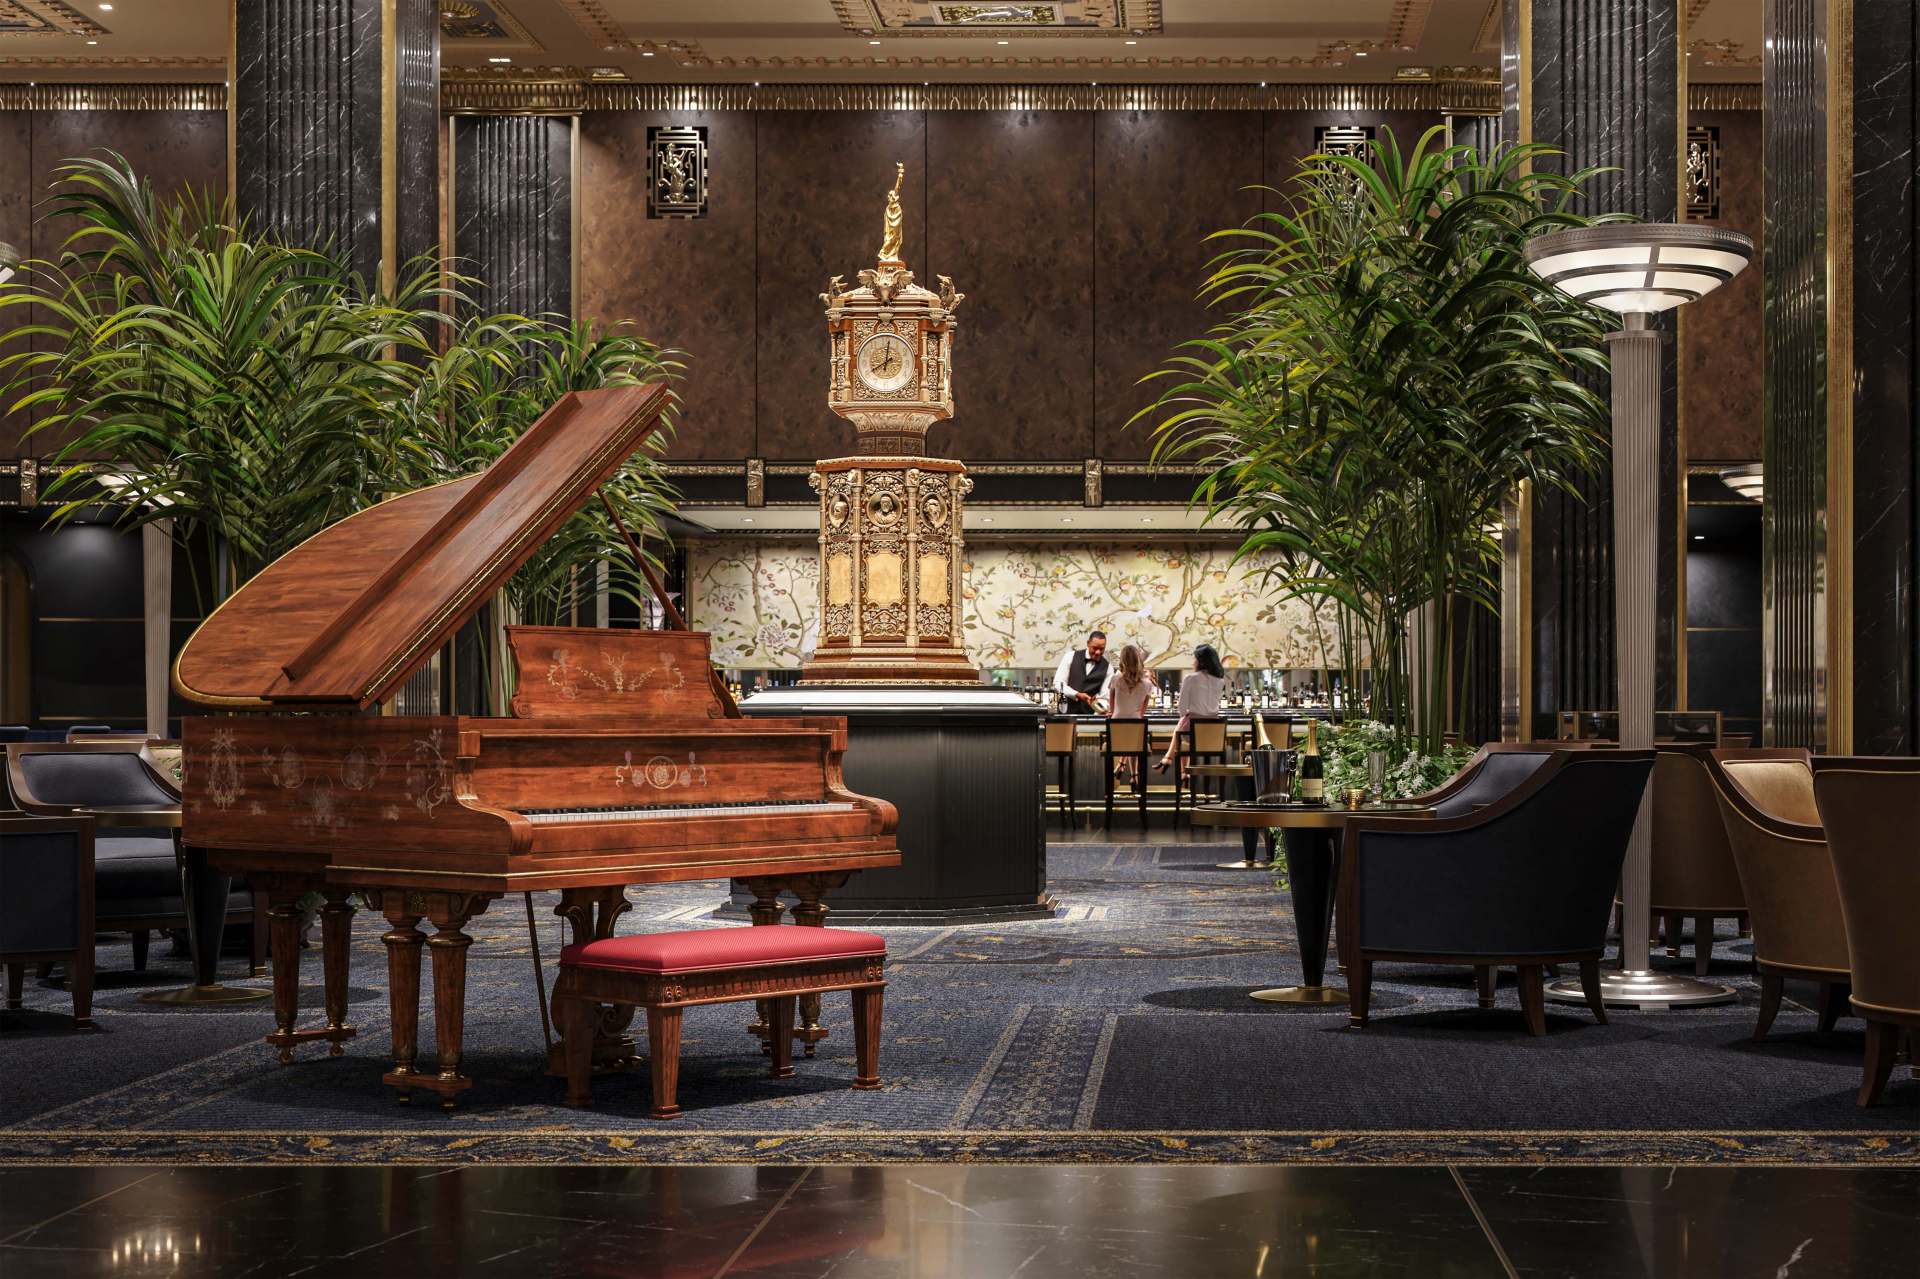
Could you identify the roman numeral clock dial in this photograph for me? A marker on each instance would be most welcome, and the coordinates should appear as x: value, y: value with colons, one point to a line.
x: 885, y: 362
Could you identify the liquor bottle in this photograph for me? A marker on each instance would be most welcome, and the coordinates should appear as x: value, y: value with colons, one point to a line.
x: 1313, y: 788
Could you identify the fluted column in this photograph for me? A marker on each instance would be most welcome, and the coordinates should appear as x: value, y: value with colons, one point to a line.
x: 335, y: 117
x: 513, y: 211
x: 1601, y: 81
x: 1842, y: 457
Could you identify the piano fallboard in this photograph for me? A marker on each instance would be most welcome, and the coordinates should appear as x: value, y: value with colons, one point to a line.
x: 474, y: 803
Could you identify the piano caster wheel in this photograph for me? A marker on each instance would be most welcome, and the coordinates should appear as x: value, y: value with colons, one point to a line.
x: 286, y: 1056
x: 809, y: 1050
x: 335, y: 1049
x: 403, y: 1098
x: 448, y: 1105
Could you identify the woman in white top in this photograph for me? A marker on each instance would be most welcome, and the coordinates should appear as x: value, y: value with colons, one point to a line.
x: 1200, y: 690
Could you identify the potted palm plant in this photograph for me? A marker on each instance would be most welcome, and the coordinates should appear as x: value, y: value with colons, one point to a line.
x: 1385, y: 372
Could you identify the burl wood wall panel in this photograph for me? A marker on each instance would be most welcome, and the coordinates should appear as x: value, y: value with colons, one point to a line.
x: 1722, y: 335
x: 823, y: 178
x: 683, y: 282
x: 1163, y: 182
x: 177, y: 150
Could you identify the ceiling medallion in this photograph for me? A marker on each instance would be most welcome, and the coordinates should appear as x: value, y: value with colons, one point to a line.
x: 481, y: 20
x: 1002, y: 18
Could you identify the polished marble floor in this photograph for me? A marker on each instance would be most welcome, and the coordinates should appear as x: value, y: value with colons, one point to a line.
x: 977, y: 1222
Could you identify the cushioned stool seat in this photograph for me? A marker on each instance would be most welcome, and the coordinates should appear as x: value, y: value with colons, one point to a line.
x: 666, y: 973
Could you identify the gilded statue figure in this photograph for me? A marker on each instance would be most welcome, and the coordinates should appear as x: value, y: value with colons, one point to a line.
x: 890, y: 242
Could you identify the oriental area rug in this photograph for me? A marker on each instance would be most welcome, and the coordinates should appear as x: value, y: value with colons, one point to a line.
x: 1119, y: 1031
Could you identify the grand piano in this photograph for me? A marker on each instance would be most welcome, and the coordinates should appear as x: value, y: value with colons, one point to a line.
x: 624, y: 761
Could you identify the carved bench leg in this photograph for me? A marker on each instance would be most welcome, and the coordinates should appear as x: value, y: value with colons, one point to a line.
x: 663, y: 1055
x: 576, y: 1026
x: 782, y: 1039
x: 810, y: 912
x: 866, y: 1036
x: 766, y: 909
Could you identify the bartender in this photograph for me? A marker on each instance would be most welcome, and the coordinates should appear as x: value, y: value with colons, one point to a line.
x: 1082, y: 675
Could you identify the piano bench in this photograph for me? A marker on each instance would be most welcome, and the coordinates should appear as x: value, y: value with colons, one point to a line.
x: 666, y: 973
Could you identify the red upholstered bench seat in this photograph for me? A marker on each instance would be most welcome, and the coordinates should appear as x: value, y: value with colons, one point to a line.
x: 718, y: 949
x: 666, y: 973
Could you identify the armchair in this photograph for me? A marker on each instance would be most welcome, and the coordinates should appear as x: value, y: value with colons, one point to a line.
x: 137, y: 880
x: 1495, y: 770
x: 1767, y: 807
x: 1526, y: 881
x: 46, y: 904
x: 1868, y: 807
x: 1693, y: 869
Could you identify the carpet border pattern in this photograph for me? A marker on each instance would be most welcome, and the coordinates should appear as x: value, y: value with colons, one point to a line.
x: 372, y: 1148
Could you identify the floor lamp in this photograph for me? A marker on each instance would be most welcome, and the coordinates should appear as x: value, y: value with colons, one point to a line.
x: 1638, y: 269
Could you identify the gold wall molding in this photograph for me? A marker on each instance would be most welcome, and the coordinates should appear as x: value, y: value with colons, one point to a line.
x: 512, y: 97
x: 112, y: 97
x: 1113, y: 18
x: 1723, y: 97
x: 1043, y: 97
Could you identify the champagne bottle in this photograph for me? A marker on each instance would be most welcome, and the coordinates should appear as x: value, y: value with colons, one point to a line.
x: 1260, y: 741
x: 1313, y: 787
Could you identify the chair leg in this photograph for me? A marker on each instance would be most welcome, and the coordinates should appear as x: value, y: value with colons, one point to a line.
x: 1675, y: 925
x: 1746, y: 924
x: 1833, y: 1004
x: 140, y: 939
x: 16, y: 985
x: 1702, y: 944
x: 1590, y: 986
x: 80, y: 984
x: 1487, y: 978
x: 1533, y: 998
x: 1140, y: 786
x: 663, y: 1055
x: 576, y: 1035
x: 782, y: 1037
x: 1883, y: 1038
x: 867, y: 1002
x: 1359, y: 991
x: 1772, y: 986
x: 1112, y: 785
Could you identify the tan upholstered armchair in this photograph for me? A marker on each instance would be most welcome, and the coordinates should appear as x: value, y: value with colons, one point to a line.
x: 1868, y: 807
x: 1786, y: 875
x: 1693, y: 870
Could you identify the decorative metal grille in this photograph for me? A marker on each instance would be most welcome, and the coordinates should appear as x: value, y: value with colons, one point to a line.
x: 1342, y: 139
x: 677, y: 171
x: 1703, y: 173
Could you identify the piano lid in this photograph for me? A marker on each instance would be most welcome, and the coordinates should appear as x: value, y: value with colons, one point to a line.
x: 342, y: 619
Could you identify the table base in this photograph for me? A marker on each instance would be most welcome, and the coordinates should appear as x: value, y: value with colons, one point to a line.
x: 1247, y: 865
x: 205, y: 995
x: 1645, y: 990
x: 1302, y: 995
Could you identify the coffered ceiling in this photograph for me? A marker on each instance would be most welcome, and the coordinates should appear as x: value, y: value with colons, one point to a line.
x: 870, y: 40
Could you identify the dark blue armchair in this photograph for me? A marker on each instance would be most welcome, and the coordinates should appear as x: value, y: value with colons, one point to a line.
x: 46, y: 904
x: 1524, y: 882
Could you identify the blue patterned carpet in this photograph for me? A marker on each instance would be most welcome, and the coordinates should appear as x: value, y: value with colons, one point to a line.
x: 1118, y: 1031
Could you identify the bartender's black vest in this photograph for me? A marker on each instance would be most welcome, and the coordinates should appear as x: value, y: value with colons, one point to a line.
x: 1084, y: 676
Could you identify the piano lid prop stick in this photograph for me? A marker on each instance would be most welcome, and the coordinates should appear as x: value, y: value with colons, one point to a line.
x: 539, y: 976
x: 659, y: 589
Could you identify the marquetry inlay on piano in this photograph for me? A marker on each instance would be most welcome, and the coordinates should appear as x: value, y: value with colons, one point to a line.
x: 623, y: 761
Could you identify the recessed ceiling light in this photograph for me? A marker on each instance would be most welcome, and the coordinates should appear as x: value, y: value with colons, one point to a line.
x: 93, y: 42
x: 1133, y: 42
x: 746, y: 519
x: 499, y: 59
x: 646, y: 53
x: 1066, y: 519
x: 106, y: 8
x: 1359, y: 53
x: 986, y: 519
x: 1263, y: 84
x: 1699, y: 537
x: 999, y: 41
x: 873, y: 42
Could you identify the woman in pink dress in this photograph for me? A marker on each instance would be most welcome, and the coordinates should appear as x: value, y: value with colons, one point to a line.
x: 1129, y: 691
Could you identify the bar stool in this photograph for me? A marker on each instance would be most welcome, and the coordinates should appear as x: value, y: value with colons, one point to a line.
x: 1127, y: 739
x: 1203, y: 741
x: 1062, y: 730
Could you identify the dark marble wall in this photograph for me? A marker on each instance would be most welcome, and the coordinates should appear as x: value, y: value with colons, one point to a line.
x: 1721, y: 380
x: 307, y: 84
x: 513, y: 211
x: 1795, y: 439
x: 1886, y: 362
x: 178, y: 150
x: 1605, y: 90
x: 1077, y: 237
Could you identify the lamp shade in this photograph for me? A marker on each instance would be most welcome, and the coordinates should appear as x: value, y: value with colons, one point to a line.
x: 1638, y: 267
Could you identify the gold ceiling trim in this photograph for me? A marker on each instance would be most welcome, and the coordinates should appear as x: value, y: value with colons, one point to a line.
x: 113, y: 97
x: 512, y: 30
x: 1723, y: 53
x: 1723, y: 97
x: 512, y: 97
x: 884, y: 18
x: 54, y: 17
x: 1042, y: 97
x: 1492, y: 34
x: 598, y: 25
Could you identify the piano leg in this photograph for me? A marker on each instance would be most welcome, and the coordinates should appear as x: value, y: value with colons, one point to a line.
x: 448, y: 946
x: 812, y: 913
x: 336, y: 936
x: 283, y: 915
x: 591, y: 915
x: 766, y: 909
x: 403, y: 941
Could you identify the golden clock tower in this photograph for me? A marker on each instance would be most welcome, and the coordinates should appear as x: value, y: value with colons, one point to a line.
x: 890, y: 517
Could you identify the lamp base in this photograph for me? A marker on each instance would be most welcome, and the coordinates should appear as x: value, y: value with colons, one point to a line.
x: 1302, y: 995
x: 1643, y: 989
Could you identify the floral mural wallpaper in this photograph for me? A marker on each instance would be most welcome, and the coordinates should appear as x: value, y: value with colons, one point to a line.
x: 1026, y: 603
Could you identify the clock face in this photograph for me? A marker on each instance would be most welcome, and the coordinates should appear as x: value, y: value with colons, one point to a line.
x: 886, y: 362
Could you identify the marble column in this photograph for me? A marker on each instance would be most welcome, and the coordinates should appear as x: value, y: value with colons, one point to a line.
x: 1842, y: 448
x: 513, y: 211
x: 1599, y: 80
x: 335, y: 116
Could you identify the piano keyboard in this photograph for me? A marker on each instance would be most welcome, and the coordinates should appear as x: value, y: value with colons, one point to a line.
x: 548, y: 816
